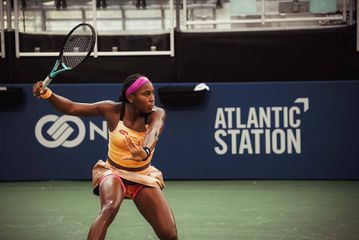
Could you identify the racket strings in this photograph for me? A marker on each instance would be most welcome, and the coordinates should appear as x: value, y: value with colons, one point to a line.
x: 78, y: 46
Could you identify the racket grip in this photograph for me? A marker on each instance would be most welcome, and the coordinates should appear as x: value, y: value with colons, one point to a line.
x: 46, y: 82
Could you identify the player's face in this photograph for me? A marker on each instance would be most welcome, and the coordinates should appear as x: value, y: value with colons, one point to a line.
x: 144, y: 98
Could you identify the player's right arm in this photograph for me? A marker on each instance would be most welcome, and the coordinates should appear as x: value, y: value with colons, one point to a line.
x: 69, y: 107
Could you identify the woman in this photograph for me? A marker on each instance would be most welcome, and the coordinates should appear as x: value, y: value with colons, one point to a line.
x: 135, y: 124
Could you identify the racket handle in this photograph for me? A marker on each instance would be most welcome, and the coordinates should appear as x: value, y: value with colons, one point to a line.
x: 46, y: 82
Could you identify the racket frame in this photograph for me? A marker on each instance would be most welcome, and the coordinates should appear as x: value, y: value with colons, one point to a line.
x: 59, y: 62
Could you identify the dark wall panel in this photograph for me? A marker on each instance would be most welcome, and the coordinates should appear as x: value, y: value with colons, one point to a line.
x: 320, y: 54
x: 286, y: 55
x: 3, y: 71
x: 100, y: 70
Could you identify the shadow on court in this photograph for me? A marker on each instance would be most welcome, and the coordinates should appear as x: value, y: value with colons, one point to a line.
x: 221, y: 210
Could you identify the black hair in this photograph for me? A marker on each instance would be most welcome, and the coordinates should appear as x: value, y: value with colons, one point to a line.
x: 126, y: 84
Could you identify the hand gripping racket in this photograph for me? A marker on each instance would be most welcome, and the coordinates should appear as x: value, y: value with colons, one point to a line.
x: 78, y: 45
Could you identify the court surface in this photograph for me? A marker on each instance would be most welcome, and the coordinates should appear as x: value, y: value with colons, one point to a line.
x: 248, y: 210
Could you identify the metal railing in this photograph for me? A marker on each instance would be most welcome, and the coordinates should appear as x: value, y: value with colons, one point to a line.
x: 188, y: 21
x: 2, y: 26
x: 96, y: 51
x: 263, y: 18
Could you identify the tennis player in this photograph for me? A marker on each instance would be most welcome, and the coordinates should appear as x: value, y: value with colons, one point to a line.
x: 135, y: 125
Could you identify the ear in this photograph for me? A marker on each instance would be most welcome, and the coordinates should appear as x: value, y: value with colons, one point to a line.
x: 130, y: 98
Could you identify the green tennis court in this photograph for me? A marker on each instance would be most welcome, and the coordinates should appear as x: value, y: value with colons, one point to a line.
x: 203, y: 209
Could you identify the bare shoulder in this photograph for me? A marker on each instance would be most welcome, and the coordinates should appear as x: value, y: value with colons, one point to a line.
x: 108, y: 107
x: 158, y: 111
x: 157, y: 115
x: 108, y: 104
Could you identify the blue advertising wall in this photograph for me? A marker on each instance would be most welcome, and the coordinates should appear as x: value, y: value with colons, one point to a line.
x: 296, y: 130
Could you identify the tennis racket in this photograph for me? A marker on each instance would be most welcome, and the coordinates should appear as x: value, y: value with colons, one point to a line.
x: 79, y: 44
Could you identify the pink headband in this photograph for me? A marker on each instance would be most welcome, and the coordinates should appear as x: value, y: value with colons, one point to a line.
x: 136, y: 85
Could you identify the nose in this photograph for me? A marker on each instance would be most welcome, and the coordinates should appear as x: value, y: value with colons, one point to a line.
x: 152, y: 97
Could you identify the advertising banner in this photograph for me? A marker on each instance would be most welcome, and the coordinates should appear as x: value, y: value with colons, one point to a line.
x: 277, y: 130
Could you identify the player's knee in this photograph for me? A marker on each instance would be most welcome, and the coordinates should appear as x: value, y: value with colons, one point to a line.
x: 110, y: 209
x: 169, y: 233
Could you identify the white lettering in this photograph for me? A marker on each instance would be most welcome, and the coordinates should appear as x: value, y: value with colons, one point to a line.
x: 220, y: 119
x: 278, y: 140
x: 94, y: 129
x: 252, y: 118
x: 285, y: 117
x: 245, y: 143
x: 273, y: 130
x: 234, y: 133
x: 229, y: 116
x: 268, y: 141
x: 239, y: 123
x: 223, y: 146
x: 276, y: 111
x: 264, y: 117
x: 294, y: 141
x: 257, y: 143
x: 292, y: 112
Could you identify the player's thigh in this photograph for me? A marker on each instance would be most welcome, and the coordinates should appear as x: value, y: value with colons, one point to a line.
x: 154, y: 207
x: 111, y: 191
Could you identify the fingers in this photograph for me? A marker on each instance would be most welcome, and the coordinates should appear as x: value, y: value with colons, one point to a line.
x: 37, y: 89
x: 129, y: 142
x: 138, y: 153
x: 134, y: 146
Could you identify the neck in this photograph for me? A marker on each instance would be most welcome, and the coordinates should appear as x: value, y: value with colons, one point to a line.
x: 132, y: 113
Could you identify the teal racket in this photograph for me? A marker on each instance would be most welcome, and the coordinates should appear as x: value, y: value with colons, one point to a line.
x: 78, y: 46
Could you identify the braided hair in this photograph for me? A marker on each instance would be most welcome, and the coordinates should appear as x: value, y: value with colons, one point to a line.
x: 126, y: 84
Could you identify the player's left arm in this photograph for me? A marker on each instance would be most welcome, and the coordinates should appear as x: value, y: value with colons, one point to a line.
x: 156, y: 121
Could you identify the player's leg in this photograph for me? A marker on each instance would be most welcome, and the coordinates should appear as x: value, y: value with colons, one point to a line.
x: 154, y: 208
x: 111, y: 191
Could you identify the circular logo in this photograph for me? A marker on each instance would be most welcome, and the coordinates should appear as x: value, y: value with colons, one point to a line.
x: 60, y: 131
